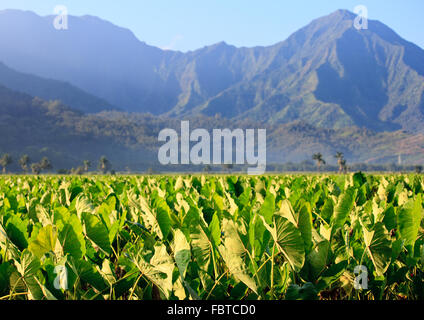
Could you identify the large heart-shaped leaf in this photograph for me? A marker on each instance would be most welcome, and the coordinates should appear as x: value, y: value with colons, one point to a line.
x: 409, y: 219
x: 96, y: 231
x: 288, y: 240
x: 233, y: 252
x: 379, y: 247
x: 46, y: 241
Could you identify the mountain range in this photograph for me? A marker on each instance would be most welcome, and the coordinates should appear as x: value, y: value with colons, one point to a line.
x: 49, y: 89
x: 96, y: 89
x: 129, y: 140
x: 328, y: 73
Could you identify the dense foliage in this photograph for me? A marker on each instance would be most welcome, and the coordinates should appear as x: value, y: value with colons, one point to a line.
x: 211, y: 237
x: 42, y: 128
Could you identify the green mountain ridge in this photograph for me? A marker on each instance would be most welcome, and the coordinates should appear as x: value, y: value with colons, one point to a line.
x: 327, y: 74
x: 328, y: 88
x: 331, y: 75
x: 130, y: 141
x: 49, y: 89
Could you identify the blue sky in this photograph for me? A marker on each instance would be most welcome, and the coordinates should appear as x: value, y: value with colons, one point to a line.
x: 191, y: 24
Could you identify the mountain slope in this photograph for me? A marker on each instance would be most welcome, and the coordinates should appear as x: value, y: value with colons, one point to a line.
x: 327, y: 74
x: 330, y: 74
x: 52, y: 90
x: 94, y: 55
x: 67, y: 137
x: 38, y: 128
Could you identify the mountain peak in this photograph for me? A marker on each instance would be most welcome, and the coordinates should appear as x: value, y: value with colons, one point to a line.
x: 22, y: 15
x: 328, y: 73
x: 221, y: 44
x: 344, y: 14
x: 17, y: 11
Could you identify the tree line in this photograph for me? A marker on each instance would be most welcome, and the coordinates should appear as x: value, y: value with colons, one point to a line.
x: 341, y: 161
x: 105, y: 166
x: 343, y: 167
x: 26, y: 164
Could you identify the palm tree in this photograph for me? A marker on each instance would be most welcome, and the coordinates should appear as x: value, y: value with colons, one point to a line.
x: 45, y: 164
x: 340, y: 158
x: 24, y: 162
x: 319, y: 159
x: 5, y: 161
x: 343, y: 166
x: 104, y: 164
x: 87, y: 165
x: 36, y: 168
x: 228, y: 167
x: 78, y: 171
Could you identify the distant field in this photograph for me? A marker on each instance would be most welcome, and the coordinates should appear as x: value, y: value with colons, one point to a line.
x: 297, y: 236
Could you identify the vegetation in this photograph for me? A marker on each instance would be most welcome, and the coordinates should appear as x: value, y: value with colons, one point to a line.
x: 104, y: 165
x: 216, y: 237
x: 341, y: 161
x: 5, y: 161
x: 228, y: 167
x: 257, y: 83
x: 49, y: 129
x: 45, y: 164
x: 87, y: 165
x: 319, y: 159
x: 24, y: 162
x: 36, y: 168
x: 49, y: 89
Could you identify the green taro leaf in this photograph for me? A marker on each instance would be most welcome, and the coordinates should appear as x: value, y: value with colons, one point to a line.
x: 87, y: 273
x: 46, y: 241
x: 16, y: 229
x: 201, y: 247
x: 158, y: 270
x: 409, y: 220
x: 164, y: 221
x: 268, y: 207
x: 234, y: 253
x: 163, y: 263
x: 302, y: 220
x: 332, y: 274
x: 83, y: 205
x: 158, y: 219
x: 4, y: 277
x: 72, y: 239
x: 343, y: 209
x: 317, y: 258
x: 215, y: 230
x: 288, y: 240
x: 28, y: 268
x: 11, y: 250
x: 96, y: 231
x: 305, y: 292
x: 379, y: 247
x: 182, y: 254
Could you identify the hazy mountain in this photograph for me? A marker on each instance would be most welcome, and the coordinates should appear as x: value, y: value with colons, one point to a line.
x: 48, y: 89
x: 39, y: 128
x: 327, y: 74
x: 94, y: 55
